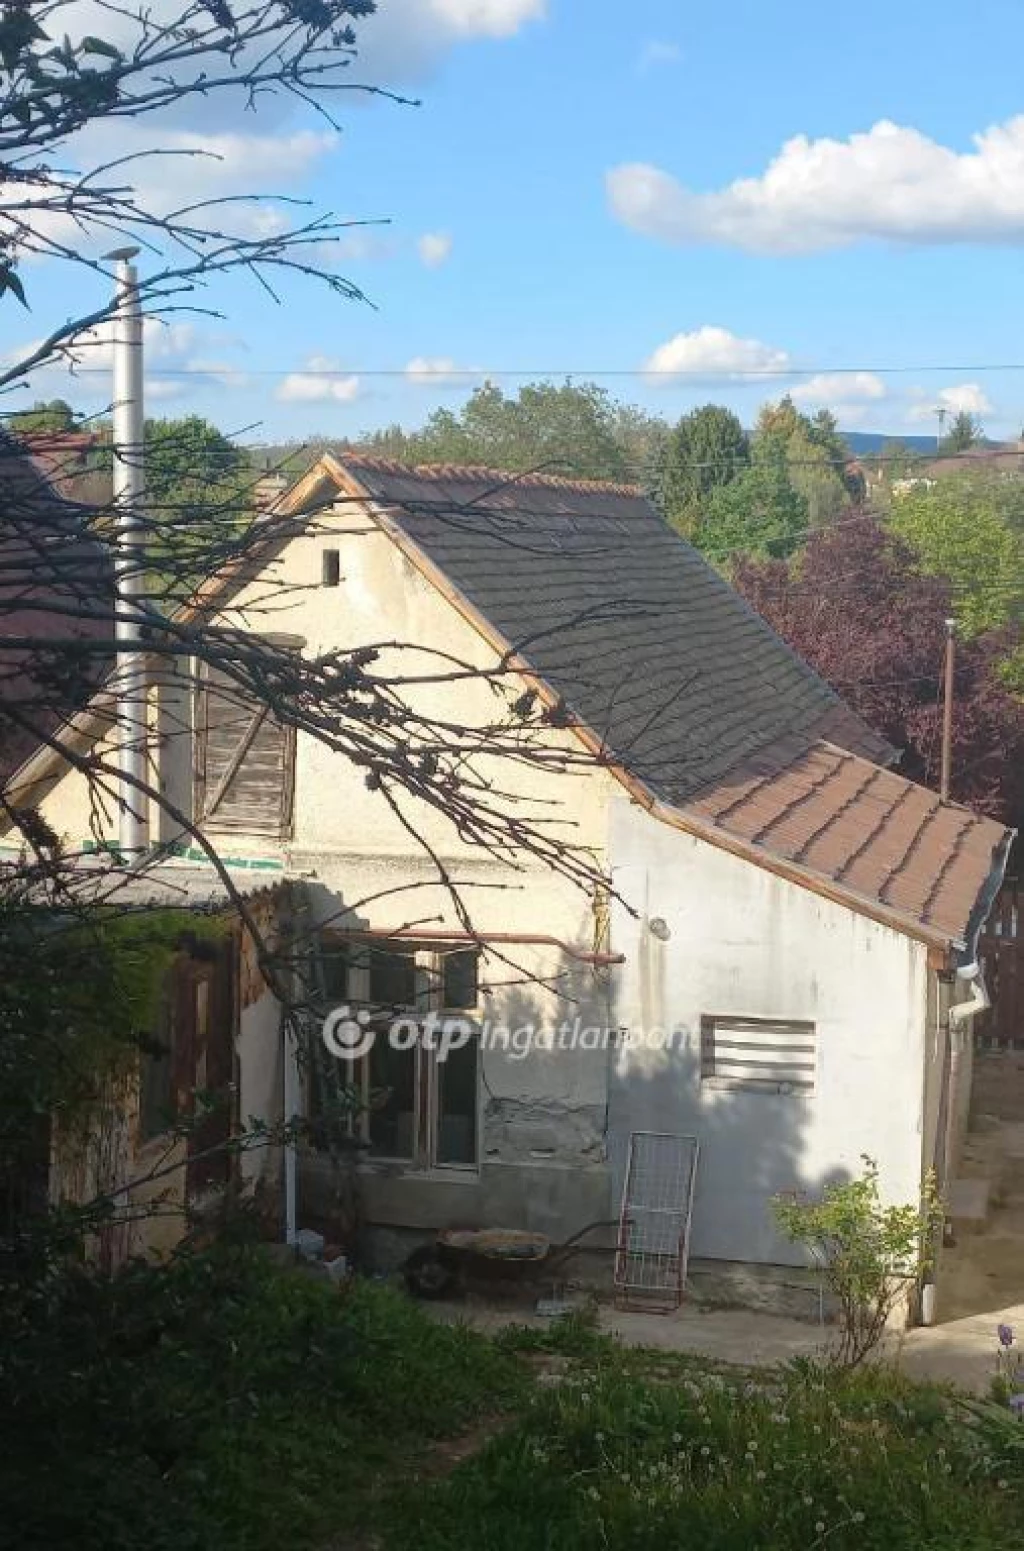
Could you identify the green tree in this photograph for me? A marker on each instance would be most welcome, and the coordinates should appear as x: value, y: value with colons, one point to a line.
x: 187, y: 457
x: 969, y: 529
x: 705, y: 452
x: 813, y: 475
x: 758, y: 513
x: 565, y: 428
x: 44, y: 415
x: 965, y: 431
x: 816, y: 456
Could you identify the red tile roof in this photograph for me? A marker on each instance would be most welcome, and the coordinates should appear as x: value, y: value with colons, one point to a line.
x: 868, y: 832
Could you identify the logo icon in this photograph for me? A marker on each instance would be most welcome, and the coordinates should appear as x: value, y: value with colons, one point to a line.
x: 346, y: 1034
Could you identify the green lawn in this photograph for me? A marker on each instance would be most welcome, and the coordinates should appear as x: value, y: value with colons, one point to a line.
x: 223, y: 1405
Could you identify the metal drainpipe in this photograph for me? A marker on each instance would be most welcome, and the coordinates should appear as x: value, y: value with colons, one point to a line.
x: 291, y: 1087
x: 129, y: 563
x: 958, y: 1015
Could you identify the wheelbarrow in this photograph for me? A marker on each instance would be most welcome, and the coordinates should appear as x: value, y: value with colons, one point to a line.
x: 493, y: 1254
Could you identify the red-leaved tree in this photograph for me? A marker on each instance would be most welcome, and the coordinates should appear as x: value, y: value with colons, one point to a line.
x: 854, y: 605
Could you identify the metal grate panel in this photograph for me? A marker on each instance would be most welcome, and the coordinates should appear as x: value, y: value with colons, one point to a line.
x: 654, y: 1224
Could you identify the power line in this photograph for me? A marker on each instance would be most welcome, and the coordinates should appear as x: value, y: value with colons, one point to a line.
x: 699, y: 374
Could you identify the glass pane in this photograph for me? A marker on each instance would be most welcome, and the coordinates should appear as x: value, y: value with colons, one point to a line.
x: 156, y: 1073
x: 457, y: 1105
x: 392, y: 1101
x: 392, y: 978
x: 459, y: 985
x: 335, y: 962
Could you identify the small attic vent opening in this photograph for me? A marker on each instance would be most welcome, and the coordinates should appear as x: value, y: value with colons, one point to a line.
x: 330, y: 567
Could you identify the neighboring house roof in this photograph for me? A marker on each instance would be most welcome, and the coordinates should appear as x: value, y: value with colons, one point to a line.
x: 1002, y: 460
x: 55, y: 599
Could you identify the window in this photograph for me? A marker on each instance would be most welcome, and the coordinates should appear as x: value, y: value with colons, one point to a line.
x: 244, y: 760
x: 759, y: 1054
x: 330, y: 563
x: 419, y: 1105
x: 158, y: 1097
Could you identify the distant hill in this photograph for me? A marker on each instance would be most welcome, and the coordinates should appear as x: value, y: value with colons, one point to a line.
x: 863, y: 442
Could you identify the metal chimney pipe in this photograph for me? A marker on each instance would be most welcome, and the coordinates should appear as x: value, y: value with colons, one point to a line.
x: 129, y: 564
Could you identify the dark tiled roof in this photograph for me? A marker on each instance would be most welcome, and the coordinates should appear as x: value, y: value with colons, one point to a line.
x: 688, y: 688
x: 55, y: 591
x: 646, y: 644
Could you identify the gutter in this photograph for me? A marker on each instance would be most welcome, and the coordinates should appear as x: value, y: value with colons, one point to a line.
x: 982, y: 909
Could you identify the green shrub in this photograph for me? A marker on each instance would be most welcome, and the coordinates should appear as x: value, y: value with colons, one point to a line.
x: 870, y: 1254
x: 221, y: 1403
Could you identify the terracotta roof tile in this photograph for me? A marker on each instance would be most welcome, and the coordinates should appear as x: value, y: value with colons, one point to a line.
x: 863, y: 829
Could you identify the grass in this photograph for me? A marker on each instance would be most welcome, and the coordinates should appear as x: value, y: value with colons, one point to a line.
x: 224, y: 1405
x: 621, y: 1457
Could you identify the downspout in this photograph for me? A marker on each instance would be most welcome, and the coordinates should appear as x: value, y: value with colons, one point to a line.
x: 129, y: 562
x: 957, y: 1016
x: 291, y: 1086
x: 960, y: 1016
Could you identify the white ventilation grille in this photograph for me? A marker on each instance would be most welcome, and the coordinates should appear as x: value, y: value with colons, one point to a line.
x: 760, y: 1054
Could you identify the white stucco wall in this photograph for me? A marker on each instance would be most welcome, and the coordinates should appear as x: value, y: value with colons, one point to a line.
x: 743, y: 942
x: 746, y: 943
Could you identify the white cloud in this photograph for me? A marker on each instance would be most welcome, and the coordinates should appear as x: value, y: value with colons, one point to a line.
x: 830, y: 388
x: 191, y: 169
x: 715, y: 352
x: 173, y: 362
x: 321, y: 382
x: 162, y: 388
x: 657, y: 51
x: 434, y: 249
x: 889, y: 183
x: 967, y: 397
x: 486, y: 18
x: 405, y: 40
x: 439, y: 371
x: 433, y: 369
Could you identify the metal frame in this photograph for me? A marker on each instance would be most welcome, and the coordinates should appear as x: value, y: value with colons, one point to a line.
x: 657, y: 1200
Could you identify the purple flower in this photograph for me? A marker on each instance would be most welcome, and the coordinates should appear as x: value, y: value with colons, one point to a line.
x: 1005, y: 1335
x: 1016, y: 1405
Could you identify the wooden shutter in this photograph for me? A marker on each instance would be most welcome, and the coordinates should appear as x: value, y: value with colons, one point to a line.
x: 245, y: 760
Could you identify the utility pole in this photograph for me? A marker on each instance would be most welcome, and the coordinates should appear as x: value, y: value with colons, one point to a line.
x: 942, y: 412
x: 947, y: 712
x: 129, y: 563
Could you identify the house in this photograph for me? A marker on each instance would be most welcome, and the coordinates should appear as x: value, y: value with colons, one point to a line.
x: 782, y: 964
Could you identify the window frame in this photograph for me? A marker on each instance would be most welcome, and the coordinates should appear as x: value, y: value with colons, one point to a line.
x: 802, y: 1032
x: 429, y: 988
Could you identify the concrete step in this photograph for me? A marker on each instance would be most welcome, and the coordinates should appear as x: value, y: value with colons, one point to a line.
x: 967, y: 1204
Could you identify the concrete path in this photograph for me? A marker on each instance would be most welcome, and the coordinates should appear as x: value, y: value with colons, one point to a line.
x: 962, y: 1352
x: 726, y: 1335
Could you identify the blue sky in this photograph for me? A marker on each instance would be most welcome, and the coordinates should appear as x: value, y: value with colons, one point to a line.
x: 565, y: 200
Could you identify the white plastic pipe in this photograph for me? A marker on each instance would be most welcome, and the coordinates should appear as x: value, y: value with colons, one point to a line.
x: 129, y: 565
x: 291, y: 1106
x: 977, y: 1002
